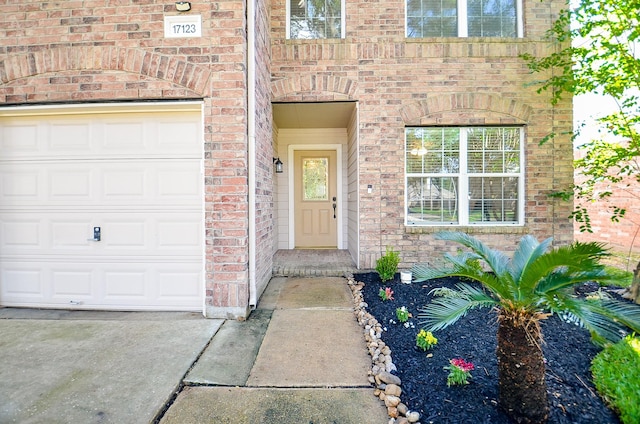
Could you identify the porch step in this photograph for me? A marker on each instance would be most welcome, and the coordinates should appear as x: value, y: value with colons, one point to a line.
x: 313, y: 263
x: 315, y: 271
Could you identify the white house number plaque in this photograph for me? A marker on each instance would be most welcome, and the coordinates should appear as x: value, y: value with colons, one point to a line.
x: 182, y: 26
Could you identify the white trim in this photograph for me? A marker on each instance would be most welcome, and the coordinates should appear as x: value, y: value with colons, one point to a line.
x: 357, y: 129
x: 463, y: 179
x: 251, y: 153
x: 288, y: 19
x: 339, y: 188
x: 519, y: 19
x: 462, y: 20
x: 463, y: 184
x: 343, y: 20
x: 102, y: 108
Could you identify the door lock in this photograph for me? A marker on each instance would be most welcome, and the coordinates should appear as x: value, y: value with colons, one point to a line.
x: 96, y: 234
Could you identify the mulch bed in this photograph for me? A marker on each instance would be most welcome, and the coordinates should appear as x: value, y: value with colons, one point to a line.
x: 567, y: 348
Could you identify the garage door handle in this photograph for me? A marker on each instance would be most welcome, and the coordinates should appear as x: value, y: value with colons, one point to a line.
x: 97, y: 233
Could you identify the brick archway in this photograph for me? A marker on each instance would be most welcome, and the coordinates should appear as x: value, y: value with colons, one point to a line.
x: 177, y: 72
x: 490, y: 108
x: 314, y: 88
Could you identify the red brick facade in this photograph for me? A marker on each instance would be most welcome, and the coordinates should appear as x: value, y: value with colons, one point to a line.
x: 400, y: 82
x: 106, y: 50
x: 622, y: 237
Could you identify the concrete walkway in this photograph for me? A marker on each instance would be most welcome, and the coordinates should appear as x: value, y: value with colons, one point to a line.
x: 299, y: 358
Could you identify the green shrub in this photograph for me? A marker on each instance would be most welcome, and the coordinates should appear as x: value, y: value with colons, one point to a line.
x: 402, y: 314
x: 616, y: 375
x: 387, y: 265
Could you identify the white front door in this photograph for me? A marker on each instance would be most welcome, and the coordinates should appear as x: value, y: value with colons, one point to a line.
x: 315, y: 198
x: 102, y: 210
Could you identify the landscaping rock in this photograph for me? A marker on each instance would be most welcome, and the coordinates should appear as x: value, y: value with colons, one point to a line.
x: 391, y: 400
x: 403, y: 409
x: 393, y: 390
x: 413, y: 417
x: 389, y: 378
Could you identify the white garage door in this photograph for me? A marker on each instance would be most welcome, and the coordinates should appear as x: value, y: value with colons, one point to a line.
x: 130, y: 172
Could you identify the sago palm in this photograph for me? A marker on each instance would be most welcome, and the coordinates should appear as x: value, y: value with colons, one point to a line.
x: 525, y: 289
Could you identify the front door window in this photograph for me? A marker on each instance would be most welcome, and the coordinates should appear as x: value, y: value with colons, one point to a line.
x: 315, y: 178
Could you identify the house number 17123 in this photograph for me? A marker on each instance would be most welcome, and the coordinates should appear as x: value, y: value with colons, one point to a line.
x: 184, y: 29
x: 182, y: 26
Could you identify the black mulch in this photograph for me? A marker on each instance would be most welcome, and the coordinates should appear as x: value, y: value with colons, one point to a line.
x: 568, y: 351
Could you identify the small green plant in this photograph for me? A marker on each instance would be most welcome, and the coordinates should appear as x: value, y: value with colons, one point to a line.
x: 386, y: 293
x: 616, y: 375
x: 459, y: 372
x: 402, y: 314
x: 425, y: 340
x: 387, y: 265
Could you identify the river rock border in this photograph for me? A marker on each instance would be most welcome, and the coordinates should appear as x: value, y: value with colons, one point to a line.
x: 387, y: 386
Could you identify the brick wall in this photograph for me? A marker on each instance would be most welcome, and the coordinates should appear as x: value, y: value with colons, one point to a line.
x: 105, y: 50
x: 399, y: 82
x: 265, y: 224
x: 622, y: 237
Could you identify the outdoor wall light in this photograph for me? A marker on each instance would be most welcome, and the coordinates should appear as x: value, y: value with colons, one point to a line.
x: 279, y: 165
x: 183, y: 6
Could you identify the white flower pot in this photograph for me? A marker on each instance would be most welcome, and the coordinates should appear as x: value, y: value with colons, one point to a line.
x: 405, y: 277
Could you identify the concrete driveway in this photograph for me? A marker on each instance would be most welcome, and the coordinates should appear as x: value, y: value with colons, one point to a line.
x: 95, y: 367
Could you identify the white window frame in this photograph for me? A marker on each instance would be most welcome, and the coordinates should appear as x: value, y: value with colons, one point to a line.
x: 463, y: 25
x: 463, y: 184
x: 342, y: 22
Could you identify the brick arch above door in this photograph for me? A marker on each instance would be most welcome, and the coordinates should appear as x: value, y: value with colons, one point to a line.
x: 481, y: 108
x: 176, y: 73
x: 316, y: 88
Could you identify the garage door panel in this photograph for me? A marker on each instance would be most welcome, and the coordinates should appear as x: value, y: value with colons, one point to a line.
x: 96, y: 285
x: 20, y: 138
x: 20, y: 233
x: 22, y: 281
x: 126, y: 284
x: 176, y: 135
x: 125, y: 182
x: 178, y: 285
x: 76, y: 285
x: 129, y: 234
x: 71, y: 184
x: 71, y: 233
x: 179, y: 181
x: 17, y: 184
x: 101, y: 184
x: 121, y: 136
x: 66, y: 136
x: 136, y: 176
x: 179, y: 234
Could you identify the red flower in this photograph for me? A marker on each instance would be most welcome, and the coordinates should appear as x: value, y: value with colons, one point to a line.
x: 462, y: 364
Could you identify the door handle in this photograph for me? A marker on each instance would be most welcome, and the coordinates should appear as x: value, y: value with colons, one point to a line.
x: 334, y: 210
x: 97, y: 234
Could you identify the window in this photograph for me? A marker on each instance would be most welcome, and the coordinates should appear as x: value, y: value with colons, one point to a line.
x: 311, y: 19
x: 315, y: 178
x: 463, y: 18
x: 464, y: 176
